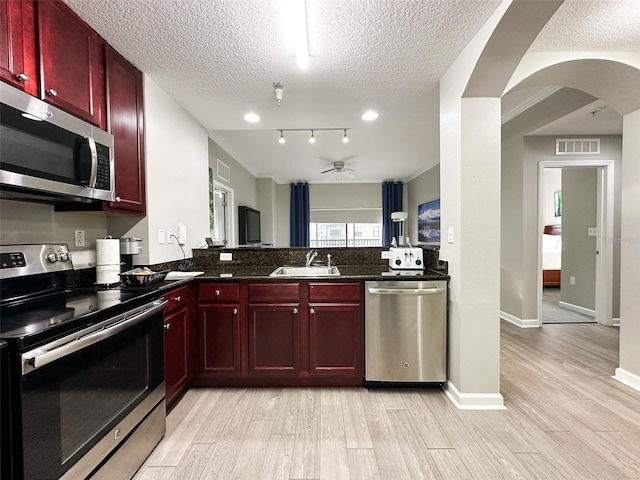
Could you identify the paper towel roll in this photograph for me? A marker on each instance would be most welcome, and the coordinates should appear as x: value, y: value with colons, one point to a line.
x: 107, y: 274
x: 107, y: 251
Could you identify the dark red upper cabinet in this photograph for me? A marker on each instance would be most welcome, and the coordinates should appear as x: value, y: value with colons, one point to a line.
x: 125, y: 122
x: 16, y: 39
x: 71, y: 62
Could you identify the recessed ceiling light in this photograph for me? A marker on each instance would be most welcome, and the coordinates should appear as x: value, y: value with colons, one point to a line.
x: 369, y: 115
x: 252, y: 117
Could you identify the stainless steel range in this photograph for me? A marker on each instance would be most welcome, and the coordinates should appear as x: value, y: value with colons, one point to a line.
x: 85, y: 372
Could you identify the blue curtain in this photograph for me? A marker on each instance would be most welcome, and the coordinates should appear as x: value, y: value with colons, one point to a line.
x: 391, y: 202
x: 299, y: 216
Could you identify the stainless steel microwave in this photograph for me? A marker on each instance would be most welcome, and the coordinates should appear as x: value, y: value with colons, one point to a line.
x: 48, y: 155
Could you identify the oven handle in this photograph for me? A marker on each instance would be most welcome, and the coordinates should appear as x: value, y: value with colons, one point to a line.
x: 33, y: 360
x: 406, y: 291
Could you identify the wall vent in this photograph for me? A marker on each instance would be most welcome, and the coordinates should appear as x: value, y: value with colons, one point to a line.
x: 223, y: 171
x: 577, y: 146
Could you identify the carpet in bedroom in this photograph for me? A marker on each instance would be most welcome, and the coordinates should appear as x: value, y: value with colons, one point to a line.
x: 553, y: 313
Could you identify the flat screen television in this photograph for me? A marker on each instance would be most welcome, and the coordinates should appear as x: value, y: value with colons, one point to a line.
x: 249, y: 226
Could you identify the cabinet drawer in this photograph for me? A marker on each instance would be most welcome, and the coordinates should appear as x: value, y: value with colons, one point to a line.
x: 274, y: 292
x: 334, y: 292
x: 177, y: 299
x: 219, y: 292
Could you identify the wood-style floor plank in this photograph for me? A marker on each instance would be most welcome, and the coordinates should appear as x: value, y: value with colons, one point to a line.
x: 566, y: 419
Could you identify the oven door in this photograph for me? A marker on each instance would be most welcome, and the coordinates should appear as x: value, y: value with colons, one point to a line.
x: 79, y: 393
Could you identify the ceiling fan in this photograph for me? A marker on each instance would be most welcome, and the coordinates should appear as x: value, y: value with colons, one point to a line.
x: 340, y: 171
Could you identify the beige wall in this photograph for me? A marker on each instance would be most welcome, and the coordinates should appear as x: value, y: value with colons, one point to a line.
x: 424, y: 188
x: 579, y: 203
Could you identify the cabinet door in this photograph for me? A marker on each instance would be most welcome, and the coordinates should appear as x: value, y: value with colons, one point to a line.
x: 176, y: 350
x: 274, y: 340
x: 12, y: 65
x: 335, y: 340
x: 71, y: 62
x: 220, y: 339
x: 125, y: 123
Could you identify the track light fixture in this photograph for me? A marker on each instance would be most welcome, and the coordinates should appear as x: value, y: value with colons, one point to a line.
x: 312, y: 138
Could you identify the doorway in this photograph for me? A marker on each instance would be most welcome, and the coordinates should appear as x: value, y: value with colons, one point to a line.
x: 222, y: 214
x: 603, y: 230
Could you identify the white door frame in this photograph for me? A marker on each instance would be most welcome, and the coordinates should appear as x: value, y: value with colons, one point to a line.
x: 230, y: 220
x: 604, y: 237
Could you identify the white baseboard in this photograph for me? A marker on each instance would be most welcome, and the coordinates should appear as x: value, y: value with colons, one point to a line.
x: 578, y: 309
x: 531, y: 323
x: 629, y: 379
x: 615, y: 322
x: 474, y: 401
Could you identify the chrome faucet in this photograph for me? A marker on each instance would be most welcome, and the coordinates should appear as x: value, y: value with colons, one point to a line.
x: 311, y: 254
x: 329, y: 261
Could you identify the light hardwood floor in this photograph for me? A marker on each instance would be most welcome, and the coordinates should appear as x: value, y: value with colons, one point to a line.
x: 566, y: 418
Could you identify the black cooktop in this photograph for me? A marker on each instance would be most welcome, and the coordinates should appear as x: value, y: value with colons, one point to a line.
x: 25, y: 324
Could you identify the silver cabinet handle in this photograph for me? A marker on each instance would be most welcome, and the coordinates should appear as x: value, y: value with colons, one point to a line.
x: 52, y: 93
x: 235, y: 311
x: 22, y: 77
x: 312, y: 311
x: 407, y: 291
x: 295, y: 310
x: 217, y: 293
x: 178, y: 298
x: 167, y: 326
x: 118, y: 199
x: 58, y: 349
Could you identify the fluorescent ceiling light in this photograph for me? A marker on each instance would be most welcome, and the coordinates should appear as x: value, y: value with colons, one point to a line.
x: 252, y: 117
x: 369, y: 115
x: 296, y: 24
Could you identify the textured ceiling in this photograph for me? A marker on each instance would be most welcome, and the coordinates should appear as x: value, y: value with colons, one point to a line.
x: 219, y: 59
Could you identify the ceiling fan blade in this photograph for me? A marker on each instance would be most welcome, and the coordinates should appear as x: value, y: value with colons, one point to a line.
x: 327, y: 171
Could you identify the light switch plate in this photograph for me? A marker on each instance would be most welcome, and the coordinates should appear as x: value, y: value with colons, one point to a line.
x: 226, y: 257
x: 161, y: 237
x: 592, y: 231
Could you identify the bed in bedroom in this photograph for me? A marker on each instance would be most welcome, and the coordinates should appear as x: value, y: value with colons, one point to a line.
x: 551, y: 255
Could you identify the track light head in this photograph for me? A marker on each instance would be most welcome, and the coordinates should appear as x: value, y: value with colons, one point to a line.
x: 312, y: 139
x: 345, y: 139
x: 281, y: 139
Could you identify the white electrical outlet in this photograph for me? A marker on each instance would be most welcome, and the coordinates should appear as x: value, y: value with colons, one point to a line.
x: 226, y: 257
x: 385, y: 254
x: 450, y: 234
x: 78, y: 238
x: 572, y: 280
x: 170, y: 236
x: 161, y: 237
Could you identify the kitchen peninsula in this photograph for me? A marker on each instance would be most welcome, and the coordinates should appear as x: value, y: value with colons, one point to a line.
x: 247, y: 328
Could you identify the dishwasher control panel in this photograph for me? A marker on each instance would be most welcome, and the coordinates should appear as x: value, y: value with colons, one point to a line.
x: 406, y: 258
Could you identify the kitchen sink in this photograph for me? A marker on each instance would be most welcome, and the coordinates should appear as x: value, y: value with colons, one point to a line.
x: 305, y: 272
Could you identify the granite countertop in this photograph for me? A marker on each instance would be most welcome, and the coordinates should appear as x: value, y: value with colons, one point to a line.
x: 348, y: 272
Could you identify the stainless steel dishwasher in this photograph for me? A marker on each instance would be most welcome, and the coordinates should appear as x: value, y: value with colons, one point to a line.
x: 406, y: 331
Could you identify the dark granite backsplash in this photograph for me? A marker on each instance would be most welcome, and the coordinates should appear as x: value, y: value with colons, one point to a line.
x: 244, y: 257
x: 270, y: 257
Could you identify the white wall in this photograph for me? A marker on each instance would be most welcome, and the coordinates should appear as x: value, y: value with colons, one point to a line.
x: 177, y: 179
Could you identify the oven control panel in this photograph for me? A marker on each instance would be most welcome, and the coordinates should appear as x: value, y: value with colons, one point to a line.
x: 406, y: 258
x: 22, y: 260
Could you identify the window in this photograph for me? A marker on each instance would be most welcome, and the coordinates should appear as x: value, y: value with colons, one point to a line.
x: 345, y: 235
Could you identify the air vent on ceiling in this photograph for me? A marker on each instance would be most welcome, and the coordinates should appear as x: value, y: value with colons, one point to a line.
x: 223, y: 171
x: 577, y: 146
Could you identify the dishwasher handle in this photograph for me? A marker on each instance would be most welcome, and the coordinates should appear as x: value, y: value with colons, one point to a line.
x: 406, y: 291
